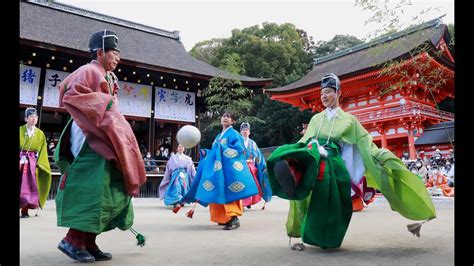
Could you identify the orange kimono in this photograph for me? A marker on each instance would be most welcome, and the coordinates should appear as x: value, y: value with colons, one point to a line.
x: 441, y: 181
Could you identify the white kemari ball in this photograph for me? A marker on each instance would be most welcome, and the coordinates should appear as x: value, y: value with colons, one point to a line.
x: 189, y: 136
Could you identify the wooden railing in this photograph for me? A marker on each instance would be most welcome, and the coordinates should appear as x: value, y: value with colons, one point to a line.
x: 399, y: 112
x: 147, y: 190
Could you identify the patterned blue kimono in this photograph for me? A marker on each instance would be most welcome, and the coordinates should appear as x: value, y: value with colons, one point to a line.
x: 179, y: 175
x: 223, y: 175
x: 179, y: 186
x: 253, y: 153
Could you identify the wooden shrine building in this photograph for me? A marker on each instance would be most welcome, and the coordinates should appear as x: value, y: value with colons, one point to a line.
x: 161, y: 84
x: 391, y: 84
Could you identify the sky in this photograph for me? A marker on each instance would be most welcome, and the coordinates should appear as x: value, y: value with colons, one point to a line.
x: 198, y: 20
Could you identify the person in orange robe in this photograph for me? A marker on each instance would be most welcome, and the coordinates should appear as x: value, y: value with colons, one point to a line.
x: 439, y: 180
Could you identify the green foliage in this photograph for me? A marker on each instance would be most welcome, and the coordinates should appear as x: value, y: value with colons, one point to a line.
x: 387, y: 15
x: 272, y: 50
x: 307, y: 41
x: 451, y: 33
x: 281, y: 52
x: 282, y: 122
x: 206, y: 50
x: 338, y: 43
x: 225, y: 95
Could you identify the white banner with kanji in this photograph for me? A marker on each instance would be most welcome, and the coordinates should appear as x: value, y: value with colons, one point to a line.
x: 29, y: 84
x: 51, y: 87
x: 134, y: 99
x: 175, y: 105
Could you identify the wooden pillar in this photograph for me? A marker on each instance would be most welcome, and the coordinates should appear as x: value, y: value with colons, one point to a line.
x: 383, y: 136
x: 198, y: 146
x: 384, y: 140
x: 411, y: 144
x: 174, y: 132
x: 39, y: 102
x: 151, y: 125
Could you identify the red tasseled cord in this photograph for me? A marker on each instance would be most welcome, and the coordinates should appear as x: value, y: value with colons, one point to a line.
x: 176, y: 209
x: 190, y: 213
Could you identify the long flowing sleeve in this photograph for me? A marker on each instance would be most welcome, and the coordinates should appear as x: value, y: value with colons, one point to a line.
x: 43, y: 170
x: 384, y: 171
x: 191, y: 169
x: 262, y: 173
x: 166, y: 178
x: 86, y: 95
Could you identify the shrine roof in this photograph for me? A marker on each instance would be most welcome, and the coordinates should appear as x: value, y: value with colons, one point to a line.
x: 372, y: 55
x: 61, y: 25
x: 436, y: 134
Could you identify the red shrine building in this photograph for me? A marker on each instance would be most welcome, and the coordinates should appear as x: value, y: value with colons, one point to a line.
x: 392, y: 85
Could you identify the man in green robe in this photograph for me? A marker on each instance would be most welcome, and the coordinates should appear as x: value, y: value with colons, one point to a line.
x: 35, y: 172
x: 97, y: 154
x: 315, y: 174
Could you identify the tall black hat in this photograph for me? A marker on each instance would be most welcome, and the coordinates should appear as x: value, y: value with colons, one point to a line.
x: 30, y: 111
x: 245, y: 125
x: 105, y: 39
x: 331, y: 80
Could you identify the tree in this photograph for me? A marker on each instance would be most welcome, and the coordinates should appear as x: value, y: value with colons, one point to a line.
x: 282, y: 122
x: 281, y: 52
x: 451, y: 33
x: 337, y: 43
x: 225, y: 95
x: 387, y: 15
x: 308, y: 42
x: 272, y: 50
x: 206, y: 50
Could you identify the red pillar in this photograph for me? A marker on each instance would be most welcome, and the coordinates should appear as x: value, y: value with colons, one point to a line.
x: 384, y: 140
x: 411, y: 145
x: 383, y: 136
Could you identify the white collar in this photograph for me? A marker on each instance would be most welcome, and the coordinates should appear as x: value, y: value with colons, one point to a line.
x: 223, y: 132
x: 246, y: 142
x: 330, y: 113
x: 30, y: 131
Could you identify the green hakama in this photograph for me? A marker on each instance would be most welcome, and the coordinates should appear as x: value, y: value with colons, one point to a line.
x: 321, y: 209
x: 91, y: 194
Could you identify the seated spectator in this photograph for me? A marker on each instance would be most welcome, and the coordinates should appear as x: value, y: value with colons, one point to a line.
x: 51, y: 148
x: 166, y: 154
x: 438, y: 183
x: 450, y: 156
x: 422, y: 171
x: 405, y: 158
x: 414, y: 170
x: 450, y: 176
x: 436, y: 158
x: 445, y: 167
x: 160, y: 154
x: 150, y: 164
x: 424, y: 158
